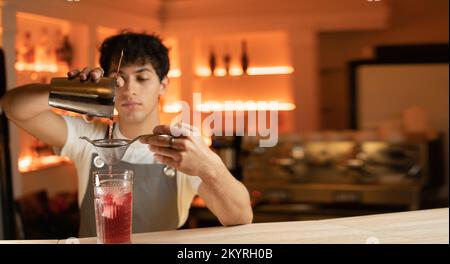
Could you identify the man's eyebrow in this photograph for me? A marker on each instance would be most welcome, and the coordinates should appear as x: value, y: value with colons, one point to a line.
x: 143, y: 69
x: 140, y: 69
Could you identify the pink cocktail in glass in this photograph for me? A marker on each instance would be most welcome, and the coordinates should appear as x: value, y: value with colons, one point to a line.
x: 113, y: 195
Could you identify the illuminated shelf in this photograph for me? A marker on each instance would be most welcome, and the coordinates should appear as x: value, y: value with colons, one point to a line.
x: 212, y: 106
x: 29, y: 163
x: 175, y: 73
x: 172, y: 108
x: 251, y: 71
x: 40, y: 67
x: 216, y: 106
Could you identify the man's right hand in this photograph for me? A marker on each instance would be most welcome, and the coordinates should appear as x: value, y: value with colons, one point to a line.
x: 94, y: 75
x: 86, y: 74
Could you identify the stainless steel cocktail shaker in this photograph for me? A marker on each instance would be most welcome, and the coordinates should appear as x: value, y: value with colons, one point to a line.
x: 84, y: 97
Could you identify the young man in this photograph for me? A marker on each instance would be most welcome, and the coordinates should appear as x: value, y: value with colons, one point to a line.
x: 160, y: 202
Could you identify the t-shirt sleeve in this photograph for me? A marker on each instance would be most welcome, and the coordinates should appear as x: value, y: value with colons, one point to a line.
x: 77, y: 127
x: 187, y: 189
x: 194, y: 183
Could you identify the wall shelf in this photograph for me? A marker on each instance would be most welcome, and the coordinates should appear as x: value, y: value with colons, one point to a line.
x: 252, y: 71
x: 29, y: 164
x: 268, y: 77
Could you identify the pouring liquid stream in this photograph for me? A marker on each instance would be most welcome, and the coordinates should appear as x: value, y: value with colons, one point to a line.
x: 111, y: 121
x: 110, y: 137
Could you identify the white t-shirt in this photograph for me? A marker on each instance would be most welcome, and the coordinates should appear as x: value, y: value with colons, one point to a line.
x: 80, y: 152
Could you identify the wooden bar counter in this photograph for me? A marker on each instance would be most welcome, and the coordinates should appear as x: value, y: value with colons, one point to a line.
x: 423, y: 226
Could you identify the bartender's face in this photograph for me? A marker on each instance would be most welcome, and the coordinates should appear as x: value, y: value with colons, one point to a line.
x: 138, y: 98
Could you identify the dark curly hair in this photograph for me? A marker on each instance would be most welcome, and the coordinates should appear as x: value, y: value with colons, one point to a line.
x: 138, y: 48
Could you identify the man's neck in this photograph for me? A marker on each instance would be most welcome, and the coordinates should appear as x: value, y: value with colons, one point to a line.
x: 132, y: 130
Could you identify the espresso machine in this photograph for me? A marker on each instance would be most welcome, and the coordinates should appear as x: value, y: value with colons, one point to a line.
x: 306, y: 178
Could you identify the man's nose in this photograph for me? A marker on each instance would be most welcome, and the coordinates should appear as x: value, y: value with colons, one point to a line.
x: 129, y: 87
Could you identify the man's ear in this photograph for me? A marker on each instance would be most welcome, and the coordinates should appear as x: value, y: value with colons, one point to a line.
x: 163, y: 86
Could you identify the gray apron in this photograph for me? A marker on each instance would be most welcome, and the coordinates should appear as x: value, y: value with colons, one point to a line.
x: 154, y: 199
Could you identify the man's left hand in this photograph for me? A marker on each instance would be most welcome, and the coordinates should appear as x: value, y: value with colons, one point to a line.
x: 187, y: 153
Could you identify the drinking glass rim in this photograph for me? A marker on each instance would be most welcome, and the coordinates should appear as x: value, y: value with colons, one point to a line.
x: 114, y: 172
x: 103, y: 176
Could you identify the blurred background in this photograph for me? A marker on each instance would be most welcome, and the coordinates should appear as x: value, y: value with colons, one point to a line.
x: 362, y: 87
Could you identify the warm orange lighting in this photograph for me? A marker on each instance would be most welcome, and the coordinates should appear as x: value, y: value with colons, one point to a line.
x: 212, y: 106
x: 175, y: 73
x: 24, y: 163
x: 270, y: 70
x: 38, y: 67
x: 172, y: 108
x: 235, y: 71
x: 220, y: 72
x: 29, y: 163
x: 203, y: 72
x: 198, y: 202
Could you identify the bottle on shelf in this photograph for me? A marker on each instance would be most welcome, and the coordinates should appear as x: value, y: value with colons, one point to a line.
x: 227, y: 60
x: 42, y: 46
x: 244, y: 57
x: 28, y: 49
x: 212, y: 61
x: 65, y: 52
